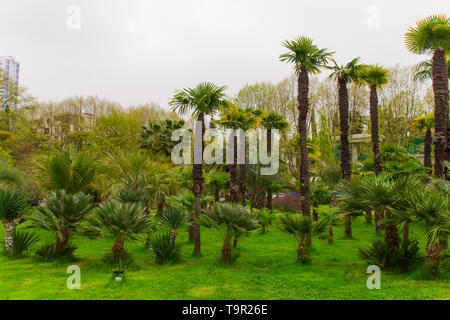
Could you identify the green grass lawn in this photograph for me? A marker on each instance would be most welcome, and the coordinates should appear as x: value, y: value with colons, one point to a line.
x: 267, y: 269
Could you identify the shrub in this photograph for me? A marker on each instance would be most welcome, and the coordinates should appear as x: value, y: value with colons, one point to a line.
x: 288, y: 202
x: 47, y: 252
x: 163, y: 251
x: 21, y: 243
x: 125, y: 260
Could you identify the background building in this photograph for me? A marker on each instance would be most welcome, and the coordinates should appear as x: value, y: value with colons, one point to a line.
x: 10, y: 78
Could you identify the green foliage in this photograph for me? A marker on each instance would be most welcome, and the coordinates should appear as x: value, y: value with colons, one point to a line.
x: 22, y: 242
x: 125, y: 260
x: 126, y: 195
x: 12, y: 203
x: 47, y: 252
x: 374, y: 75
x: 349, y: 72
x: 156, y: 136
x: 430, y: 33
x: 173, y: 218
x: 163, y: 251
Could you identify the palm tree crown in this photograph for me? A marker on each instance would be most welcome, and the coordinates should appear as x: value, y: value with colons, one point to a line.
x: 349, y: 72
x: 375, y: 75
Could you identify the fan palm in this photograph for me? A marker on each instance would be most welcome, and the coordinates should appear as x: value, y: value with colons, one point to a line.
x: 68, y: 170
x: 205, y: 99
x: 173, y: 218
x: 431, y: 35
x: 62, y: 214
x: 121, y: 221
x: 424, y: 69
x: 264, y: 218
x: 218, y: 181
x: 302, y: 228
x: 425, y: 124
x: 375, y: 76
x: 307, y: 58
x: 12, y: 206
x: 233, y: 220
x: 344, y: 74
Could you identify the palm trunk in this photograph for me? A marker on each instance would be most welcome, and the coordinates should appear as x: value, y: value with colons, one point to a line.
x: 374, y: 129
x: 173, y: 237
x: 303, y: 104
x: 234, y: 188
x: 61, y: 242
x: 263, y: 228
x: 269, y: 201
x: 191, y: 227
x: 433, y: 255
x: 368, y: 216
x: 427, y: 149
x: 406, y: 233
x: 10, y: 229
x: 226, y: 252
x: 197, y: 190
x: 391, y: 236
x: 235, y: 241
x: 315, y: 210
x: 118, y: 247
x: 216, y: 195
x: 440, y: 89
x: 330, y: 234
x: 348, y: 228
x: 301, y: 252
x: 333, y: 200
x: 346, y: 167
x: 378, y: 216
x: 243, y: 184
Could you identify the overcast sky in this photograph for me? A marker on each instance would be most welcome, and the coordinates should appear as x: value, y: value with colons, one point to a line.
x: 135, y: 51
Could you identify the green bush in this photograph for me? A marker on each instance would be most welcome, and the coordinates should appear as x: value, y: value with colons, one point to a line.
x: 126, y: 259
x: 47, y: 252
x: 22, y: 242
x: 163, y: 251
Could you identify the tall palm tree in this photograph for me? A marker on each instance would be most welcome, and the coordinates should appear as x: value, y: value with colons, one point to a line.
x: 375, y: 76
x: 205, y: 99
x: 307, y: 58
x: 431, y: 36
x: 62, y: 214
x: 12, y: 205
x: 425, y: 124
x: 345, y: 74
x: 271, y: 121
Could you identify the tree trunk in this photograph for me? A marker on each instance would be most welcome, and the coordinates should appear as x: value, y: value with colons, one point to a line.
x: 118, y: 247
x: 303, y: 105
x: 378, y: 217
x: 235, y: 241
x: 330, y: 234
x: 433, y: 255
x: 369, y: 216
x: 216, y: 195
x: 391, y: 236
x: 301, y: 252
x: 234, y: 188
x: 333, y: 200
x: 197, y: 190
x: 346, y: 167
x: 374, y: 129
x: 191, y: 227
x: 406, y: 232
x: 427, y: 162
x: 226, y: 252
x: 62, y: 242
x: 243, y: 183
x: 440, y: 89
x: 263, y: 228
x: 173, y: 237
x: 315, y: 210
x: 269, y: 201
x: 348, y: 228
x: 10, y: 229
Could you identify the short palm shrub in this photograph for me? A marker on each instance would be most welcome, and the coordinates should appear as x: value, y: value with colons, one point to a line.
x: 22, y: 242
x: 264, y: 218
x: 163, y: 250
x: 121, y: 221
x: 12, y: 206
x: 48, y: 252
x: 128, y: 195
x: 301, y: 228
x: 173, y: 218
x: 232, y: 220
x: 63, y: 215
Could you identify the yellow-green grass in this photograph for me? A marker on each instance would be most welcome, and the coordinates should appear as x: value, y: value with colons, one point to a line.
x: 266, y: 269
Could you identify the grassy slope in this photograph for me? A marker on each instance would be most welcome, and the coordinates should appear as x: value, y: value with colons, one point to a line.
x: 267, y: 269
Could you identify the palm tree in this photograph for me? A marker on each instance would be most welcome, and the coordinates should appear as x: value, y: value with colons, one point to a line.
x: 263, y: 216
x: 345, y: 74
x: 421, y: 124
x: 375, y: 76
x: 68, y: 170
x: 307, y: 58
x: 329, y: 220
x: 430, y: 36
x: 233, y: 220
x: 121, y: 221
x: 318, y: 192
x: 271, y: 121
x: 173, y: 218
x: 301, y: 227
x: 12, y: 205
x: 218, y: 181
x: 205, y: 99
x: 62, y: 214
